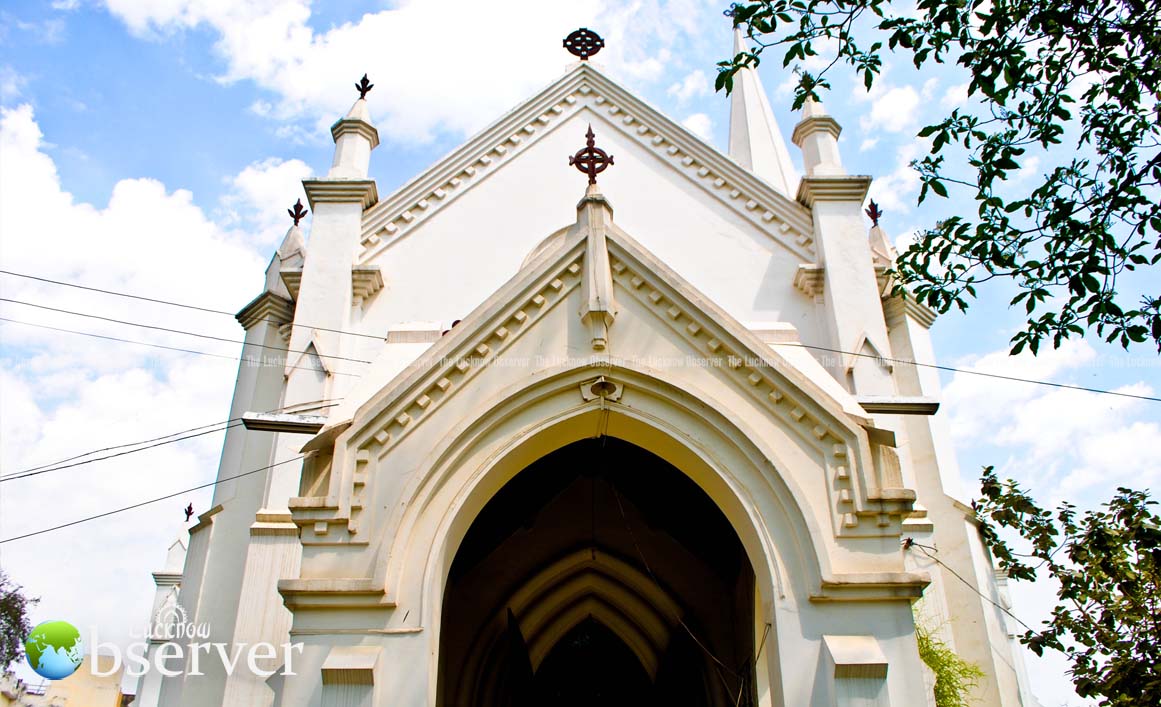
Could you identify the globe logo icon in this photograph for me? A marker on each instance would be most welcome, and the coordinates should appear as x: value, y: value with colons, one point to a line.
x: 54, y: 649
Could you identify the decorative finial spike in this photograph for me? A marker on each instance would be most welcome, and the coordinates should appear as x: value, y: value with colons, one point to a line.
x: 874, y: 213
x: 364, y: 87
x: 583, y: 43
x: 298, y: 212
x: 590, y: 159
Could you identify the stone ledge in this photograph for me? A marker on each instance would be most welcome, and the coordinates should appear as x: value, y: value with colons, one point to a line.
x: 341, y: 191
x: 851, y: 188
x: 267, y: 307
x: 333, y: 594
x: 872, y: 586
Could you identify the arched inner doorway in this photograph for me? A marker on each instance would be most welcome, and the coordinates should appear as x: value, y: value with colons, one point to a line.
x: 599, y: 575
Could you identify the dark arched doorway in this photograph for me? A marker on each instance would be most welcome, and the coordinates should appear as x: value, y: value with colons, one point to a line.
x: 599, y: 575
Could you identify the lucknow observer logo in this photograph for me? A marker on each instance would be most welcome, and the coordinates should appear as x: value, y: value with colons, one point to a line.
x: 54, y: 649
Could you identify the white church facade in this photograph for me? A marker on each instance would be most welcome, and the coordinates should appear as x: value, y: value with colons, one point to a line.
x: 668, y: 453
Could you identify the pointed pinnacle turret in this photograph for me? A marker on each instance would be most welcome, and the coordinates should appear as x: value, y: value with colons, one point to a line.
x: 817, y: 136
x: 355, y: 137
x: 756, y: 142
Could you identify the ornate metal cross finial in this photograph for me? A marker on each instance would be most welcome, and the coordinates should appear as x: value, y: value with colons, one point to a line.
x: 364, y: 86
x: 874, y: 213
x: 583, y: 43
x: 591, y: 159
x: 297, y: 213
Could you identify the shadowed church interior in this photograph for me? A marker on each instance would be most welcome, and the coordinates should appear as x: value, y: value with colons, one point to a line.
x: 630, y: 586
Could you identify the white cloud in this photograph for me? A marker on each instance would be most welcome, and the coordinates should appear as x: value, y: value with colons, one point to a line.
x: 11, y: 83
x: 894, y: 111
x: 895, y: 190
x: 701, y: 125
x: 65, y: 394
x: 260, y: 195
x: 868, y: 144
x: 66, y: 5
x: 955, y: 97
x: 695, y: 83
x: 1062, y: 440
x: 426, y: 81
x: 1030, y: 168
x: 1060, y: 444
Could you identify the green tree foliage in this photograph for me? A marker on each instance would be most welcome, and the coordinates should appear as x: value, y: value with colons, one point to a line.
x: 954, y: 677
x: 14, y: 625
x: 1108, y: 564
x: 1079, y: 77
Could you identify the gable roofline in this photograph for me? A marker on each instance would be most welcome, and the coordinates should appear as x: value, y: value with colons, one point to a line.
x: 516, y: 306
x: 783, y: 219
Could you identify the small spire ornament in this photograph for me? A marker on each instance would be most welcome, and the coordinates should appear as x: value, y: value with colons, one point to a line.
x: 298, y: 213
x: 874, y: 213
x: 364, y: 86
x: 590, y: 159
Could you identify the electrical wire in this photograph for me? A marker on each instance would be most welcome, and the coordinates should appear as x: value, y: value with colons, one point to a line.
x: 977, y: 373
x: 146, y: 503
x: 327, y: 403
x: 906, y: 362
x: 116, y: 446
x: 909, y: 543
x: 174, y: 331
x: 162, y: 346
x: 24, y: 475
x: 174, y: 304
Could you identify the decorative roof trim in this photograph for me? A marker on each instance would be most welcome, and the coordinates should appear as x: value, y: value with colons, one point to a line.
x: 814, y: 124
x: 366, y: 280
x: 784, y: 220
x: 266, y: 307
x: 343, y: 126
x: 341, y: 191
x: 845, y: 188
x: 809, y: 279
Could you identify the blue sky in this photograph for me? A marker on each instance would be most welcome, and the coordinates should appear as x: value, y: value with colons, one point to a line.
x: 153, y: 147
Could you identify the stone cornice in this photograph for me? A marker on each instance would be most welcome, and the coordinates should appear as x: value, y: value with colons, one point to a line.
x: 359, y: 127
x: 333, y: 594
x: 872, y: 586
x: 341, y: 191
x: 896, y: 307
x: 366, y: 280
x: 266, y: 307
x: 167, y: 579
x: 846, y: 188
x: 818, y: 123
x: 770, y: 211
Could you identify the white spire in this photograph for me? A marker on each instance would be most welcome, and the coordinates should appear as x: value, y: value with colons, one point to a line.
x: 355, y: 137
x: 756, y: 143
x: 817, y: 136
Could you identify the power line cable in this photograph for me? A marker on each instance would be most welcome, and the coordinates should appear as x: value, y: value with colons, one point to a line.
x: 175, y: 331
x: 950, y: 369
x: 162, y: 346
x: 116, y: 446
x: 909, y: 543
x: 327, y: 403
x: 177, y: 304
x: 146, y: 503
x: 117, y: 294
x: 35, y: 471
x: 25, y: 474
x: 976, y: 373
